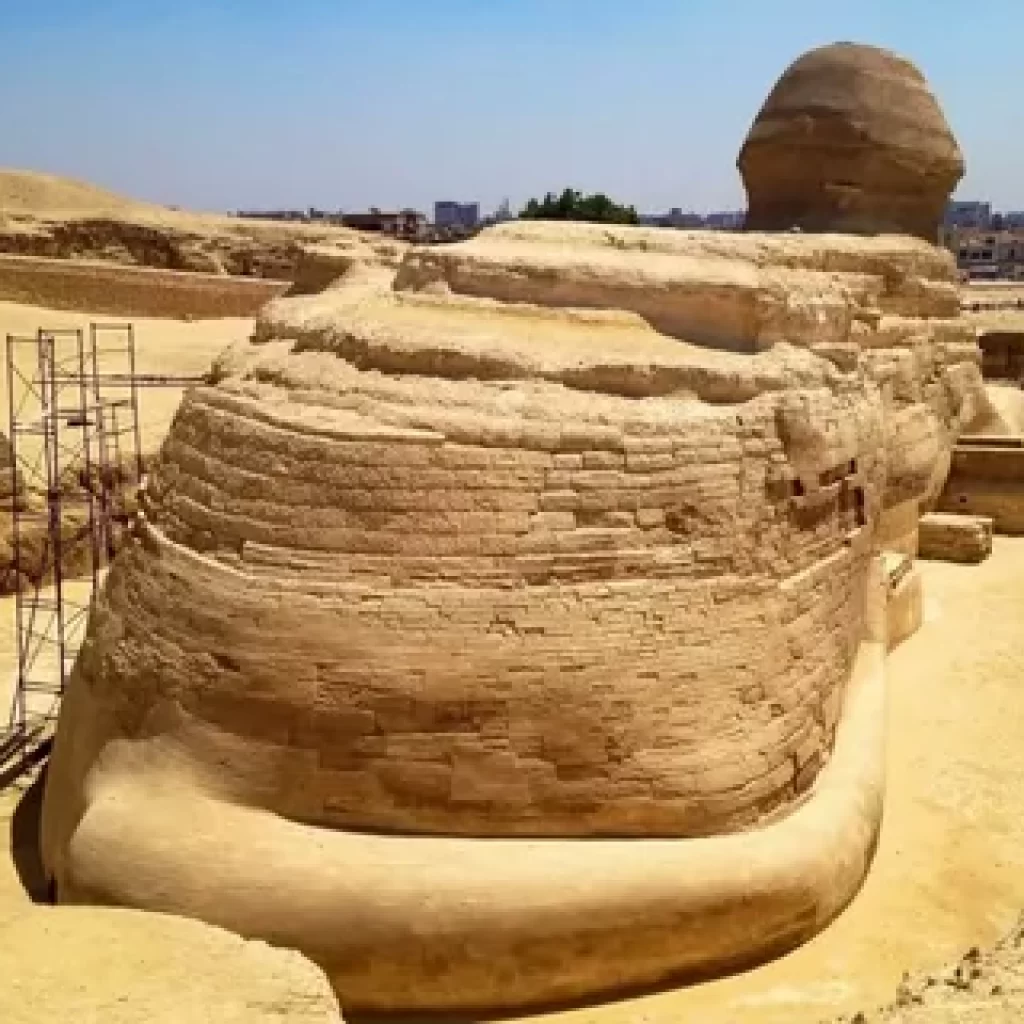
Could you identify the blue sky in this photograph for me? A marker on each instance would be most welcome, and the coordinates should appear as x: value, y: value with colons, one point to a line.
x: 220, y: 104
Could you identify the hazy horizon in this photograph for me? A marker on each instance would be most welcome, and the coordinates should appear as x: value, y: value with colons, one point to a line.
x: 229, y: 105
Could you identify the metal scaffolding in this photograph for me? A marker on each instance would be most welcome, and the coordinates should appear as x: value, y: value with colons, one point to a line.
x: 76, y: 464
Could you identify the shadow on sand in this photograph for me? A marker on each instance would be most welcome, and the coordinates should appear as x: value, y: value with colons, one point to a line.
x: 25, y: 840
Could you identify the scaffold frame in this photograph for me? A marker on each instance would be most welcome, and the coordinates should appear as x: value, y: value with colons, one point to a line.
x: 75, y: 450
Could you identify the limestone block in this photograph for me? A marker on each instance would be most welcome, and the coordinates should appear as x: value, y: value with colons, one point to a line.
x: 955, y: 538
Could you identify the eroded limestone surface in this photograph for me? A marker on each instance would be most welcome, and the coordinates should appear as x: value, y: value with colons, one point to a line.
x: 562, y: 533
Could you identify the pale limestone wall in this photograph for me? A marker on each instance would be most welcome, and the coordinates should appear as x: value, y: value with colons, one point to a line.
x: 531, y: 540
x: 987, y: 479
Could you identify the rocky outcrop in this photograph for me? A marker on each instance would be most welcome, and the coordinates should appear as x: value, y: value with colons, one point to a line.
x: 56, y: 218
x: 205, y: 245
x: 850, y: 139
x: 562, y: 534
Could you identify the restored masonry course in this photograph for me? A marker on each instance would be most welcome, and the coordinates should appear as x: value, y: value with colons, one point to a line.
x: 509, y: 625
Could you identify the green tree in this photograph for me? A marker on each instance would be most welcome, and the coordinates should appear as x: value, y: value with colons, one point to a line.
x: 574, y: 205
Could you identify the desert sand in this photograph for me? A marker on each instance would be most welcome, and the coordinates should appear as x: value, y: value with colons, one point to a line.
x: 30, y: 192
x: 27, y: 195
x: 1008, y: 407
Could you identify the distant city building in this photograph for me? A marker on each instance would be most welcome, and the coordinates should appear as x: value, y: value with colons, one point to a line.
x: 311, y: 214
x: 449, y: 214
x: 725, y: 220
x: 987, y: 255
x: 402, y: 224
x: 503, y: 212
x: 730, y: 220
x: 971, y: 214
x: 675, y: 218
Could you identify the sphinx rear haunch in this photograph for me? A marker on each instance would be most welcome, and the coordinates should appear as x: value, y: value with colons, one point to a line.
x: 509, y: 628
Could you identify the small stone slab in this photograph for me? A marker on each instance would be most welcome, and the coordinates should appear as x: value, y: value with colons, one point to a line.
x: 948, y: 537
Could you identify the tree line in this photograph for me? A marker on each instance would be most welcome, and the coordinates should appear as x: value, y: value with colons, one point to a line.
x: 574, y: 205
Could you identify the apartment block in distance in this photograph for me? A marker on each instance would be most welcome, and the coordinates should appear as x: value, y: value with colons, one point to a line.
x: 450, y: 214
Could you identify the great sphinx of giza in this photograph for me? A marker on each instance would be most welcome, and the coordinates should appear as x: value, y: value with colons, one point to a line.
x: 510, y: 628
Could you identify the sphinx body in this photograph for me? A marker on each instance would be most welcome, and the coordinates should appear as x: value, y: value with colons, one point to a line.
x: 509, y: 627
x: 488, y: 631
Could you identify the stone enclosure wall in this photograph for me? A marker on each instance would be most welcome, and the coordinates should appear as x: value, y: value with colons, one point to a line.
x: 987, y: 479
x: 131, y: 291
